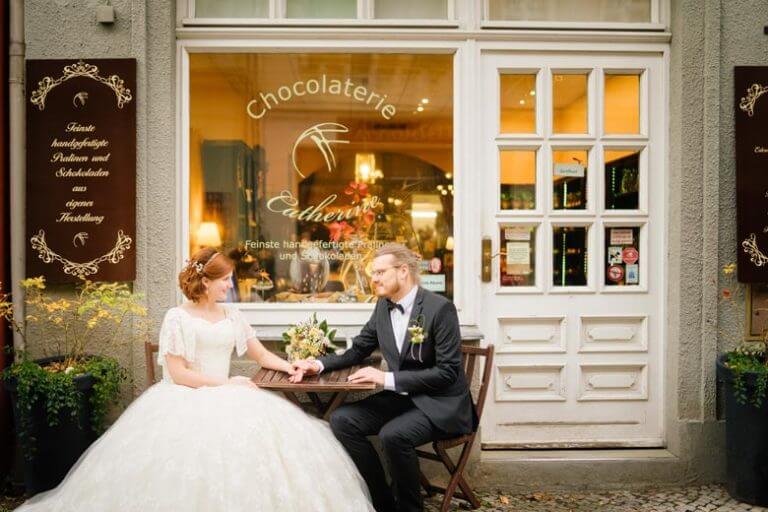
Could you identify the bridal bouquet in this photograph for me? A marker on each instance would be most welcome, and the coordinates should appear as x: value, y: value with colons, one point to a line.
x: 309, y: 339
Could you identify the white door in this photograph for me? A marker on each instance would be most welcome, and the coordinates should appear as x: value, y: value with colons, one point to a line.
x: 573, y: 202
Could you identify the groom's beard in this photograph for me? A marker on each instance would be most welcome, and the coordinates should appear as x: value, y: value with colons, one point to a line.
x: 388, y: 292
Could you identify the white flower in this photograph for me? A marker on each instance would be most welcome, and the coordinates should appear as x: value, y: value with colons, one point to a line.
x: 69, y: 370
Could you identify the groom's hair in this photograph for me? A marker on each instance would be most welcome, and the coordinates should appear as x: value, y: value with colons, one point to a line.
x: 403, y: 256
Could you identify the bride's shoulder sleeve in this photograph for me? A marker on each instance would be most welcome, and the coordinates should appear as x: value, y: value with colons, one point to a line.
x: 174, y: 338
x: 243, y: 330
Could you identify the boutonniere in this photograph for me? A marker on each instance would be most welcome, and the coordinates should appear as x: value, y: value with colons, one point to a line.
x: 416, y: 330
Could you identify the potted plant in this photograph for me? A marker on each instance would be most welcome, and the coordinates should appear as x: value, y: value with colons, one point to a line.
x: 60, y: 398
x: 744, y: 375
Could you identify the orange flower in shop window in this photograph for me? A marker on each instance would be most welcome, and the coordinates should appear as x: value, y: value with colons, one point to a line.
x: 340, y: 230
x: 357, y: 190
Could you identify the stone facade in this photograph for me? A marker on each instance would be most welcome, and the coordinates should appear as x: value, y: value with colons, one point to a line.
x: 709, y: 37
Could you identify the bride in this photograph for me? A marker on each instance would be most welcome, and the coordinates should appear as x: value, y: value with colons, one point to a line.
x: 200, y: 440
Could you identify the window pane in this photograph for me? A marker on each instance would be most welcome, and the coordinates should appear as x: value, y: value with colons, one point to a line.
x: 570, y: 10
x: 622, y: 104
x: 408, y: 9
x: 569, y: 97
x: 231, y: 8
x: 569, y: 179
x: 569, y: 252
x: 518, y: 256
x: 303, y: 164
x: 518, y: 103
x: 622, y: 179
x: 623, y: 256
x: 518, y: 179
x: 324, y: 9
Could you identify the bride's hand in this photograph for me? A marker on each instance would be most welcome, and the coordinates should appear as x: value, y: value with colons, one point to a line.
x: 295, y: 375
x: 242, y: 381
x: 307, y: 366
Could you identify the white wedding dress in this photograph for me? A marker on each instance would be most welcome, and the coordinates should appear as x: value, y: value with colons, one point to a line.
x: 214, y: 449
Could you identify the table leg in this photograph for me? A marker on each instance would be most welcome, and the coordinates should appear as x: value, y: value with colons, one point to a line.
x: 335, y: 402
x: 292, y: 398
x: 318, y: 403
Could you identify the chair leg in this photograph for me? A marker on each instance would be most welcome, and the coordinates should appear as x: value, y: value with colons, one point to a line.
x: 456, y: 476
x: 426, y: 485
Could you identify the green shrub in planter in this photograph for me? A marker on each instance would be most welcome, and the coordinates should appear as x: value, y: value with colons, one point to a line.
x: 744, y: 375
x: 61, y: 399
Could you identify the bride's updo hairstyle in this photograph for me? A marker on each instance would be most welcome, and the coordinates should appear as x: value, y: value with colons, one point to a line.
x: 207, y: 262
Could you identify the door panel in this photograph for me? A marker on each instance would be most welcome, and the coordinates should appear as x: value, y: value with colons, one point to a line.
x: 573, y: 201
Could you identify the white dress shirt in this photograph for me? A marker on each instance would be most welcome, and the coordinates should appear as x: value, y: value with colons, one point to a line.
x: 399, y: 328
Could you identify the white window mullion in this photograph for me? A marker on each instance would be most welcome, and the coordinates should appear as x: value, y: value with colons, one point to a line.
x: 451, y: 9
x: 277, y: 9
x: 365, y: 9
x: 655, y: 11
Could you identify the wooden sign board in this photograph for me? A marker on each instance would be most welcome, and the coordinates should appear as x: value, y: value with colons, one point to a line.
x: 81, y: 169
x: 751, y: 88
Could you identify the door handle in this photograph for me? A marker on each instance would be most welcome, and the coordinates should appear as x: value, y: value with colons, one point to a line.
x: 486, y: 257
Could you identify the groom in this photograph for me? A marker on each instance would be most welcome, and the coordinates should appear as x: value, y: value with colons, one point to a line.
x: 425, y: 395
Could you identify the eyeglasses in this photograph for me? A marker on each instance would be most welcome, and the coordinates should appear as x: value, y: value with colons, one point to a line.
x: 380, y: 272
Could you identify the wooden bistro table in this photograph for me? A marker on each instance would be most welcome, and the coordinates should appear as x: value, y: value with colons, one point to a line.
x: 334, y: 383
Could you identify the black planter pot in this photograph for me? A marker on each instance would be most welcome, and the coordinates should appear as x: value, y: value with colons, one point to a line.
x: 54, y: 450
x: 746, y: 441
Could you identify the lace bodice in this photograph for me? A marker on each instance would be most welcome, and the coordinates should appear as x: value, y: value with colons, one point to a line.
x: 206, y: 346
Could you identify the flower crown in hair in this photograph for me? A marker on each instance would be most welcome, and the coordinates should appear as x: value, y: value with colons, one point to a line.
x: 193, y: 264
x: 198, y: 266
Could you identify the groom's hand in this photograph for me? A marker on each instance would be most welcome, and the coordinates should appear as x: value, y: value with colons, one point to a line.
x: 369, y: 374
x: 307, y: 366
x: 302, y: 367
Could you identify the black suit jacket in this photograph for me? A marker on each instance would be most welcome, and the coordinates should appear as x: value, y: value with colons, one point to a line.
x: 436, y: 384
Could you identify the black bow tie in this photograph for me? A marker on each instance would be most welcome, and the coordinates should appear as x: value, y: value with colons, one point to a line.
x: 394, y: 305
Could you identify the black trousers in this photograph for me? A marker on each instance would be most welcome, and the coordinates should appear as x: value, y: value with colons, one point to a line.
x: 401, y: 427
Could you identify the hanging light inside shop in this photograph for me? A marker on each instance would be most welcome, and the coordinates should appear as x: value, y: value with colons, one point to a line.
x: 365, y: 168
x: 208, y: 235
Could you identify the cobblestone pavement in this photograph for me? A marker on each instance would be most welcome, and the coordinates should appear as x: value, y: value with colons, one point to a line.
x: 707, y: 498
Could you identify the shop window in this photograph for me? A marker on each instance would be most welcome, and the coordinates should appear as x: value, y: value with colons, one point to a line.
x: 569, y: 95
x: 517, y: 176
x: 301, y: 165
x: 627, y: 11
x: 569, y: 179
x: 408, y: 9
x: 622, y: 179
x: 518, y: 255
x: 517, y: 97
x: 232, y: 8
x: 569, y: 256
x: 622, y: 104
x: 622, y: 250
x: 326, y: 9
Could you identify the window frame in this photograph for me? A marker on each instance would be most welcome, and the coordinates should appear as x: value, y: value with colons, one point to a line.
x: 464, y: 15
x: 277, y: 9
